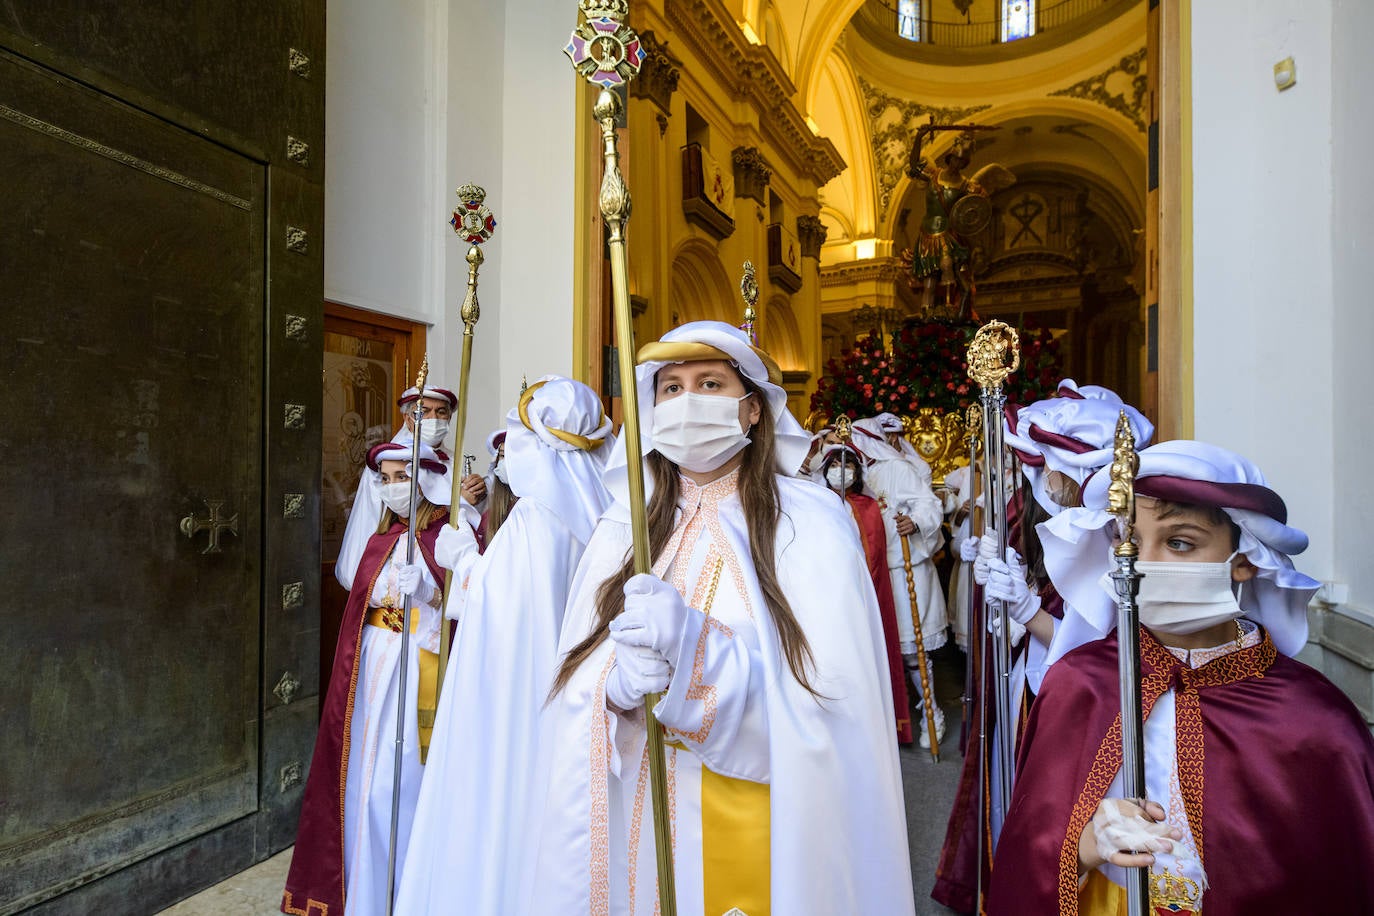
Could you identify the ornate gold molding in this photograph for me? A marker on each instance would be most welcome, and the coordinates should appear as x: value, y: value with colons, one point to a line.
x: 812, y: 233
x: 751, y: 173
x: 891, y: 136
x: 753, y: 74
x: 658, y: 74
x: 1130, y: 103
x: 882, y: 269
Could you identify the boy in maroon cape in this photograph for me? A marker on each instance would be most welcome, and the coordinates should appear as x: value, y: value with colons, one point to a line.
x: 842, y: 469
x: 1259, y: 772
x: 343, y: 840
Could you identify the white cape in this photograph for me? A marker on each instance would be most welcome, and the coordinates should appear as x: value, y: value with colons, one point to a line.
x: 473, y: 842
x: 838, y: 837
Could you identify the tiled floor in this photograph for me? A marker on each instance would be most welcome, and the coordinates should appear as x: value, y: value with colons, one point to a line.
x: 256, y: 892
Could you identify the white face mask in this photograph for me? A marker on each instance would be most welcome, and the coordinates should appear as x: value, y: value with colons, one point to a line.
x: 396, y: 497
x: 699, y: 432
x: 1184, y: 598
x: 499, y: 470
x: 840, y: 476
x: 433, y: 431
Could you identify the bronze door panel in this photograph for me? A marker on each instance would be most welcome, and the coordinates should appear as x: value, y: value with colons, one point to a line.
x: 133, y: 254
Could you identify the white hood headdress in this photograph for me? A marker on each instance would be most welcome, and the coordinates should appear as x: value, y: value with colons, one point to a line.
x: 1072, y: 433
x: 557, y: 441
x: 1078, y: 542
x: 434, y: 480
x: 705, y: 340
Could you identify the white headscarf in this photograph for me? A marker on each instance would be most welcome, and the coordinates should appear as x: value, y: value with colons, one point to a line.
x: 871, y: 438
x: 434, y: 480
x: 557, y: 441
x: 1078, y: 541
x: 1072, y: 433
x: 695, y: 341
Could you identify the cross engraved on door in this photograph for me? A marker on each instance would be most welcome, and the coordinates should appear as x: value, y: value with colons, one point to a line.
x: 215, y: 524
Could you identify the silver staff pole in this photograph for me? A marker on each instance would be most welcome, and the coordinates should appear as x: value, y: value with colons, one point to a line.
x: 1121, y: 503
x: 418, y: 415
x: 993, y: 354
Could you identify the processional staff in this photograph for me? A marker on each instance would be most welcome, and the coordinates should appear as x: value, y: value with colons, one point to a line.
x: 993, y: 354
x: 1121, y: 503
x: 474, y: 224
x: 749, y: 289
x: 607, y: 53
x: 404, y: 664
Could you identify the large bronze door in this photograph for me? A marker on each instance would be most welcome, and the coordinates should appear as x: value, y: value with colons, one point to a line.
x: 160, y: 363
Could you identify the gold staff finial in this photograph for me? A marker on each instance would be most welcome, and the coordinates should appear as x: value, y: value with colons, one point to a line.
x: 524, y: 383
x: 422, y: 375
x: 844, y: 428
x: 749, y: 289
x: 993, y: 354
x: 1121, y: 491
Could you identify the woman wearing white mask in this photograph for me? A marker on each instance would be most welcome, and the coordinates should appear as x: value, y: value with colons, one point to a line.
x: 436, y: 406
x: 343, y: 841
x: 763, y: 630
x: 1258, y: 771
x: 475, y: 832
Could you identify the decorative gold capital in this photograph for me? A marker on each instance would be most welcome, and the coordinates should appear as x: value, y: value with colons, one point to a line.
x: 993, y: 354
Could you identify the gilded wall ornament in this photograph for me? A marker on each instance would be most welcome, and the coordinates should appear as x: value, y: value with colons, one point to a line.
x: 892, y: 122
x: 1123, y: 88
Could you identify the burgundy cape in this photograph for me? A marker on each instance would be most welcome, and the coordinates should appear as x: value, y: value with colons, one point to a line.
x: 956, y: 883
x: 1284, y: 762
x: 315, y: 883
x: 869, y: 517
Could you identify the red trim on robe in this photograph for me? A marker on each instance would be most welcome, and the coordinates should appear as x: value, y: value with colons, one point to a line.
x: 316, y: 878
x: 1287, y: 788
x: 869, y: 517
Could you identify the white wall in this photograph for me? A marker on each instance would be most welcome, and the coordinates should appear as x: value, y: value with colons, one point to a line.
x: 1353, y: 289
x: 1262, y: 235
x: 426, y: 95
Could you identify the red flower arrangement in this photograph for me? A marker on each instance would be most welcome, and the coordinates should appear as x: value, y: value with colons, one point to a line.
x: 928, y: 368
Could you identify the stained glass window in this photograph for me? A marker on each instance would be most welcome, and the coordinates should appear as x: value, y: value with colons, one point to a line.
x: 909, y: 19
x: 1018, y: 19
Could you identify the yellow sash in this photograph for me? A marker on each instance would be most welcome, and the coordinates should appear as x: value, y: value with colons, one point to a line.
x: 735, y: 854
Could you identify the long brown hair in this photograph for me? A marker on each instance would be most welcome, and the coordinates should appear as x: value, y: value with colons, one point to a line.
x: 500, y: 500
x: 758, y: 491
x: 423, y: 517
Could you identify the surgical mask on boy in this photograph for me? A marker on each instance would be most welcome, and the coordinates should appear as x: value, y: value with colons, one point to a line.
x: 839, y: 477
x: 396, y: 497
x: 699, y: 432
x: 433, y: 431
x: 1183, y: 598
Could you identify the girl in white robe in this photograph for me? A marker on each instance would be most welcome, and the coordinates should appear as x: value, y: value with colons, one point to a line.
x: 473, y: 844
x: 783, y: 786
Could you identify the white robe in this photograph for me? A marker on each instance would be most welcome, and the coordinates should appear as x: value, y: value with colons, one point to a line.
x: 837, y: 829
x: 900, y: 490
x: 371, y: 761
x: 473, y: 844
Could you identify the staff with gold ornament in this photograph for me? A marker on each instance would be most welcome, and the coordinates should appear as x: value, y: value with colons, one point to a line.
x: 1121, y: 503
x: 474, y: 224
x: 993, y: 354
x: 606, y: 52
x: 404, y: 668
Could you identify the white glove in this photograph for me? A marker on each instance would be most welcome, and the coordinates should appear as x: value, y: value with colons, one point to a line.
x: 1119, y: 825
x: 987, y: 551
x: 1007, y: 582
x: 455, y: 545
x: 411, y: 579
x: 1015, y: 631
x: 968, y: 549
x: 636, y: 673
x: 655, y: 616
